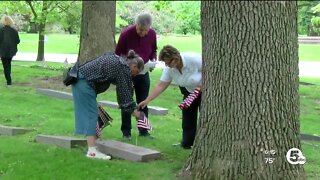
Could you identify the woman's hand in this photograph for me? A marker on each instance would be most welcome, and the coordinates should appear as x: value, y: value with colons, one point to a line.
x: 143, y: 104
x: 159, y: 88
x: 136, y: 113
x: 199, y: 87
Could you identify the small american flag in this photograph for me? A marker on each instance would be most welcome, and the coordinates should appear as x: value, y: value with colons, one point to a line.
x: 104, y: 119
x: 66, y: 63
x: 98, y: 131
x: 190, y: 98
x: 143, y: 122
x: 44, y: 62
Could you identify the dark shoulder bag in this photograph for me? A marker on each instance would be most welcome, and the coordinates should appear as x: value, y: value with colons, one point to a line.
x: 70, y: 75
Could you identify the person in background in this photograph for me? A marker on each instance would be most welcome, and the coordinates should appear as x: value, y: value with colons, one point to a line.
x: 95, y: 77
x: 186, y: 70
x: 141, y: 38
x: 9, y: 39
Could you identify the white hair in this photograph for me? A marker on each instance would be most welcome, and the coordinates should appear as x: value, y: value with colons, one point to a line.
x: 7, y: 21
x: 144, y: 20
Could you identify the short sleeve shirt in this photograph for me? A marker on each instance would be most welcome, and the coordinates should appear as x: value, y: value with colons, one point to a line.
x: 191, y: 72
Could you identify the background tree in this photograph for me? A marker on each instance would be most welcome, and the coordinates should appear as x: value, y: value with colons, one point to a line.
x: 97, y: 29
x: 315, y: 20
x: 128, y: 10
x: 38, y: 14
x: 165, y: 18
x: 120, y: 22
x: 305, y: 15
x: 250, y: 102
x: 189, y: 22
x: 41, y: 10
x: 19, y: 11
x: 68, y: 15
x: 168, y: 16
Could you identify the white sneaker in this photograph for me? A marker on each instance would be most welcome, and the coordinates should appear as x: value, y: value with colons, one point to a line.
x: 97, y: 155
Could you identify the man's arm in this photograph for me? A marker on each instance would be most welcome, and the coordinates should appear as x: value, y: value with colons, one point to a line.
x: 121, y: 47
x: 158, y: 89
x: 1, y: 36
x: 154, y: 48
x: 17, y: 38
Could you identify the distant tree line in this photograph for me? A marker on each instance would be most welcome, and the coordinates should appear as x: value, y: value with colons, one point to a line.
x: 181, y: 17
x: 309, y: 18
x: 169, y: 17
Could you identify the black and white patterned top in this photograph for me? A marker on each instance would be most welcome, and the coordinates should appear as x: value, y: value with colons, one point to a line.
x: 111, y: 68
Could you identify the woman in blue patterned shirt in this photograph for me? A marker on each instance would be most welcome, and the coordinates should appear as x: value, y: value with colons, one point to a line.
x: 95, y: 77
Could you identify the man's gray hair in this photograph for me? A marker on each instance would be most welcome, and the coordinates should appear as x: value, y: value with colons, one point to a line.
x: 144, y: 20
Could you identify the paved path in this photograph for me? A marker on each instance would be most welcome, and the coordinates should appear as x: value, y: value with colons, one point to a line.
x: 72, y: 58
x: 306, y: 68
x: 309, y: 69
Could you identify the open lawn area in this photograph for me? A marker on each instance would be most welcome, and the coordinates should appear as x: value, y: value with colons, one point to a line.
x: 22, y: 158
x: 69, y: 44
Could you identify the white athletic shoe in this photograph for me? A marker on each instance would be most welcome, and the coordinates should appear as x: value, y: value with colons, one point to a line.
x: 95, y: 154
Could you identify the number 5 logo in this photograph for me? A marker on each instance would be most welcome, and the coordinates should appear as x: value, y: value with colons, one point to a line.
x: 295, y: 156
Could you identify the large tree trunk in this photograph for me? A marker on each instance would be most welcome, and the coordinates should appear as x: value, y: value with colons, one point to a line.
x: 97, y: 29
x: 250, y: 103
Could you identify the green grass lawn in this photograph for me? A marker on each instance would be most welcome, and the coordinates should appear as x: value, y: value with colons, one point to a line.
x: 22, y: 158
x: 69, y: 44
x: 56, y: 43
x: 309, y: 52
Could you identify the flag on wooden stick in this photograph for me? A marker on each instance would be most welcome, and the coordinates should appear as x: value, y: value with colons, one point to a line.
x: 190, y: 98
x: 66, y: 63
x: 104, y: 119
x: 143, y: 122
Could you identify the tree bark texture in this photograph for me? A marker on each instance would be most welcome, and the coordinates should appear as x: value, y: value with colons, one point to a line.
x: 97, y: 29
x: 42, y: 27
x: 250, y: 100
x: 40, y: 55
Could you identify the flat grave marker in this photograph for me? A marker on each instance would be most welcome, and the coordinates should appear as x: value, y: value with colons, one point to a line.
x: 308, y: 137
x: 127, y: 151
x: 64, y: 95
x: 61, y: 141
x: 12, y: 131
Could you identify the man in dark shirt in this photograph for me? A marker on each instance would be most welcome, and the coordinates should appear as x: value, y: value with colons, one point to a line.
x: 142, y: 39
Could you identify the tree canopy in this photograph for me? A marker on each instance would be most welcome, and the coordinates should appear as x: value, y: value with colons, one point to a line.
x: 181, y: 17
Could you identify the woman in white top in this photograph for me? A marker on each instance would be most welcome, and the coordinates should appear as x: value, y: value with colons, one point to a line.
x: 185, y: 69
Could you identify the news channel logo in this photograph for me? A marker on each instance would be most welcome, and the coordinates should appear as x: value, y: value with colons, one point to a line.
x: 295, y: 156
